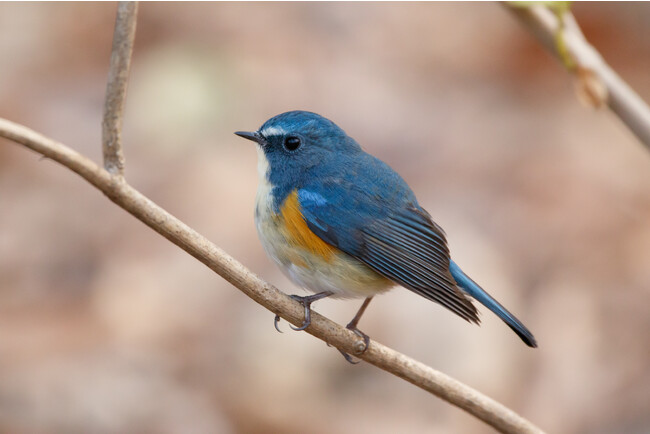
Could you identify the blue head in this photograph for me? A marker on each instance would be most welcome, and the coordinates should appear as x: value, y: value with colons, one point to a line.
x: 295, y: 145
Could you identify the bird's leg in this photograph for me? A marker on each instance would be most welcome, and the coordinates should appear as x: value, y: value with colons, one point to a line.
x: 352, y: 325
x: 306, y: 301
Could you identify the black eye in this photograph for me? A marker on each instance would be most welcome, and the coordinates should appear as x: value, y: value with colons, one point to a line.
x: 292, y: 143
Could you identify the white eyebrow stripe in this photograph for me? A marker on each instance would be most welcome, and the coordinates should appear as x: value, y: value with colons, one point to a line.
x: 272, y: 131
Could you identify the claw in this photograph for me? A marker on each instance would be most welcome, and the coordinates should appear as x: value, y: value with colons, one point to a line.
x: 348, y: 358
x: 302, y: 327
x: 276, y: 321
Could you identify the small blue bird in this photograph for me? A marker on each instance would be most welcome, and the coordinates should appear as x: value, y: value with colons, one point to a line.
x: 340, y: 222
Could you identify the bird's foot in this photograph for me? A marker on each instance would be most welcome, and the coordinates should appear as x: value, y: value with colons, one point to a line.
x: 306, y: 301
x: 360, y: 347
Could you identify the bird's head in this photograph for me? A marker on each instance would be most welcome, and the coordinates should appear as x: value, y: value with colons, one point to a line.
x: 293, y: 143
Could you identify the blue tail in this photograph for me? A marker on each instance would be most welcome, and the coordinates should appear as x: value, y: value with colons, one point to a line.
x: 472, y: 288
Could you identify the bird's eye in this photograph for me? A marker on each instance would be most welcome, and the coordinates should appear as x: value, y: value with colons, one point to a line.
x: 292, y: 143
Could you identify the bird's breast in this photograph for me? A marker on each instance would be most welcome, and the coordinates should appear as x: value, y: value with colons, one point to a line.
x: 305, y: 258
x: 285, y: 234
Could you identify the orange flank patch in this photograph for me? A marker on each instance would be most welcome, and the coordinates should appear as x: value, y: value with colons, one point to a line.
x: 298, y: 233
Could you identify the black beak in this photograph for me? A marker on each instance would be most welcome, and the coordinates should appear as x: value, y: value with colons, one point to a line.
x: 256, y: 137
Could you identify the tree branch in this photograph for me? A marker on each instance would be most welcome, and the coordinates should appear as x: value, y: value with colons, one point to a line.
x: 120, y: 192
x: 620, y: 98
x: 118, y: 75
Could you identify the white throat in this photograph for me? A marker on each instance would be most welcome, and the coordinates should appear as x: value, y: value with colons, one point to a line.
x: 264, y: 197
x: 262, y: 165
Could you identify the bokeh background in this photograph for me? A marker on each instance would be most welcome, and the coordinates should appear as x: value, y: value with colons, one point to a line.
x: 106, y: 327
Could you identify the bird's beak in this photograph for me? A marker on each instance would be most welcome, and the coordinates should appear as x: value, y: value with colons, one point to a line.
x: 256, y: 137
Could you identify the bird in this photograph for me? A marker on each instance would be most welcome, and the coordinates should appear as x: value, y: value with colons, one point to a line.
x: 341, y: 223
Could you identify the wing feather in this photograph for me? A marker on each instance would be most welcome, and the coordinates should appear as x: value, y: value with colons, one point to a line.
x: 418, y: 259
x: 403, y: 244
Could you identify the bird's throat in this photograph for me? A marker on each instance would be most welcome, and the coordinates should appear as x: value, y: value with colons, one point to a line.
x: 264, y: 199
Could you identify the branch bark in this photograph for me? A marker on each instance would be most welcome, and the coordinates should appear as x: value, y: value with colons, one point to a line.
x: 621, y: 98
x: 118, y: 75
x: 121, y: 193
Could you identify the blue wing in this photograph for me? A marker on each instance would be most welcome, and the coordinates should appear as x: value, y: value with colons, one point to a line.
x: 368, y: 211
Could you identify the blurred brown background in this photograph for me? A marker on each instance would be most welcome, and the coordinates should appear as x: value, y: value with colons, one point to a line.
x: 106, y: 327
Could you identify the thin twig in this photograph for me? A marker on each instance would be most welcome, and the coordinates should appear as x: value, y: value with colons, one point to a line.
x: 119, y: 191
x: 118, y: 75
x: 621, y: 99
